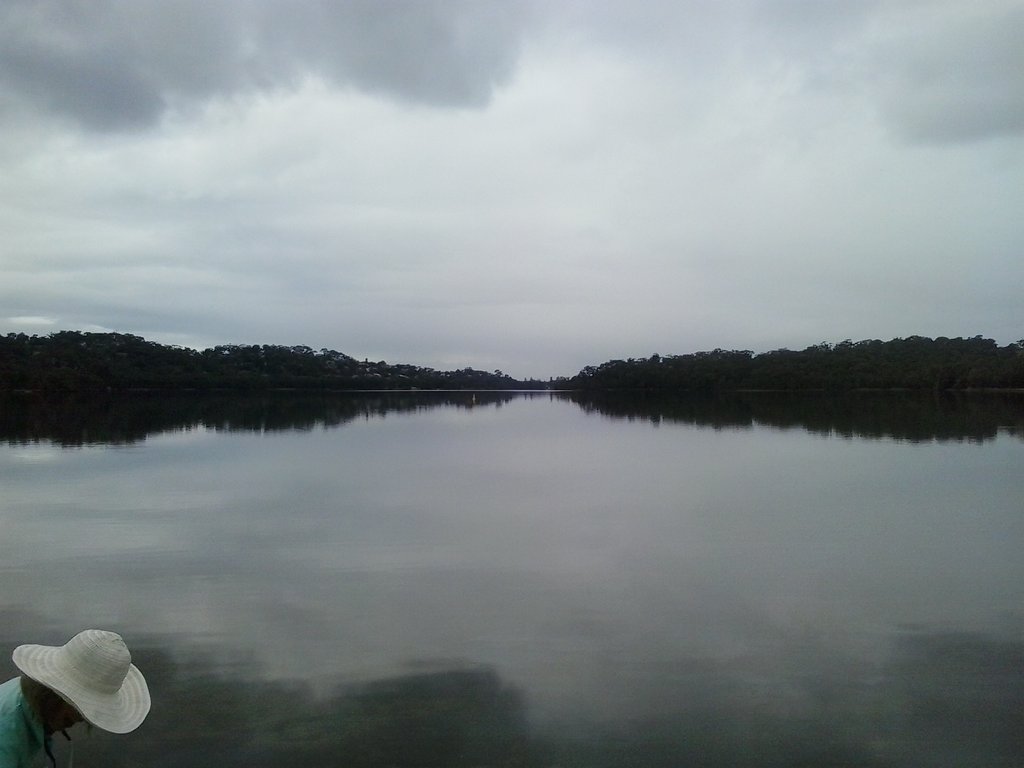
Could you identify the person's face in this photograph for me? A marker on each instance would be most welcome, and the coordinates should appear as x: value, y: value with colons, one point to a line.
x: 60, y: 715
x: 67, y: 716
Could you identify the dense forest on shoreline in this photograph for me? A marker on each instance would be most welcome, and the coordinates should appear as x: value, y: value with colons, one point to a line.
x: 75, y: 360
x: 915, y: 362
x: 78, y: 361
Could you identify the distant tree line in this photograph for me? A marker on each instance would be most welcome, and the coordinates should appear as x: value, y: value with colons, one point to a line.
x: 75, y: 360
x: 915, y: 362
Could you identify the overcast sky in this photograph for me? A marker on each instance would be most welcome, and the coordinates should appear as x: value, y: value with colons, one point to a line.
x: 531, y: 186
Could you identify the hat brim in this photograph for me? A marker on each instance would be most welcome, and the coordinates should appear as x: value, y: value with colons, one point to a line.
x: 120, y: 712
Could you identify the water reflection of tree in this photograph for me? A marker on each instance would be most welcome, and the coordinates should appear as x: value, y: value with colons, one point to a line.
x: 907, y: 416
x: 128, y: 418
x: 939, y: 699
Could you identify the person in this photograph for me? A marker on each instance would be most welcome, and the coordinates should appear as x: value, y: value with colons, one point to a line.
x: 90, y: 678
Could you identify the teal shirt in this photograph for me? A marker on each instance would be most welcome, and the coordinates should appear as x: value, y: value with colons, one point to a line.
x: 21, y: 733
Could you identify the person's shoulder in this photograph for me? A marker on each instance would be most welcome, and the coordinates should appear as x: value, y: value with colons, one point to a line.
x: 10, y: 694
x: 15, y: 750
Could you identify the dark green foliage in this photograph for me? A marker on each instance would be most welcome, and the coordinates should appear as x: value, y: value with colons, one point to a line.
x: 72, y: 360
x: 912, y: 363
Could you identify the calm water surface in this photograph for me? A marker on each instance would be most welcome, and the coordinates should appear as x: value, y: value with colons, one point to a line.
x: 532, y: 580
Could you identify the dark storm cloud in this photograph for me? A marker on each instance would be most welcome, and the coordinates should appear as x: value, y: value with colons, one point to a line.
x: 949, y: 74
x: 114, y: 64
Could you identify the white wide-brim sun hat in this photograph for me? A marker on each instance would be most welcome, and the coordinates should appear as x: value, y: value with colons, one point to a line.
x: 94, y: 673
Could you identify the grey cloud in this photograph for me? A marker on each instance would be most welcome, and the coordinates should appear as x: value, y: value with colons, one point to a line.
x: 935, y: 73
x: 99, y: 93
x: 438, y: 52
x: 674, y: 176
x: 121, y: 64
x: 958, y: 79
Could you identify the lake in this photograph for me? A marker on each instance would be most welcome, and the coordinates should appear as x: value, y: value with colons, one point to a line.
x: 531, y: 579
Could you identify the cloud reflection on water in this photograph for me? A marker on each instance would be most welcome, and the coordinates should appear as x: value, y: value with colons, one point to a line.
x: 551, y: 587
x: 938, y: 699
